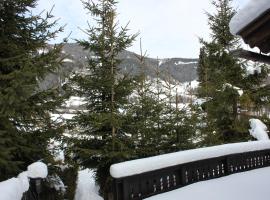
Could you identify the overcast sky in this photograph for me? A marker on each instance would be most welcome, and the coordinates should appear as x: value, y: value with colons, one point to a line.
x: 168, y: 28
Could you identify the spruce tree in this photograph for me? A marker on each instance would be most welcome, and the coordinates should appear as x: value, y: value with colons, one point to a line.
x: 146, y: 113
x: 101, y: 140
x: 182, y: 129
x: 222, y: 77
x: 217, y: 68
x: 25, y: 60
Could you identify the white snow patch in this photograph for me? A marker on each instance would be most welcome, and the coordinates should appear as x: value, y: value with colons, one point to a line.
x: 239, y: 90
x: 68, y: 60
x: 253, y: 10
x: 167, y: 160
x: 161, y: 61
x: 185, y: 63
x: 258, y: 129
x: 200, y: 101
x: 57, y: 183
x: 86, y: 186
x: 43, y: 51
x: 60, y: 117
x: 13, y: 189
x: 193, y: 84
x: 249, y: 185
x: 37, y: 170
x: 55, y: 148
x: 75, y: 101
x: 251, y: 70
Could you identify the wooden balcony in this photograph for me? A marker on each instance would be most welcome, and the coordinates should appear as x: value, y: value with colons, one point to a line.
x: 144, y: 185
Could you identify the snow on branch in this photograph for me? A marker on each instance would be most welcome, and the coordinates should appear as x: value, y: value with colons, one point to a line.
x: 258, y: 129
x: 239, y: 90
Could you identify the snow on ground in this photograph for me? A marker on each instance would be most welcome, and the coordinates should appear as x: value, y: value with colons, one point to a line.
x: 258, y: 129
x: 75, y: 101
x: 86, y: 186
x: 13, y: 189
x: 161, y: 61
x: 140, y: 166
x: 61, y: 117
x: 185, y: 63
x: 177, y: 88
x: 251, y: 185
x: 253, y: 10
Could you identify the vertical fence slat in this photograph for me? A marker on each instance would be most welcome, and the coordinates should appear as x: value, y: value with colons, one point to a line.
x: 144, y: 185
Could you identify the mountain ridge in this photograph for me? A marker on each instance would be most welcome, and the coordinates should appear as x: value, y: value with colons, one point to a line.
x: 181, y: 69
x: 170, y: 69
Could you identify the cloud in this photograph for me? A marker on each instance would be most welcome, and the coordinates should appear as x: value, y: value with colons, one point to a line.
x: 168, y: 28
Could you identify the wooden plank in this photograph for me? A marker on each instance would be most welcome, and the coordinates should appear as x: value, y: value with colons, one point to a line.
x: 259, y: 36
x: 186, y: 174
x: 253, y: 26
x: 257, y: 33
x: 264, y: 46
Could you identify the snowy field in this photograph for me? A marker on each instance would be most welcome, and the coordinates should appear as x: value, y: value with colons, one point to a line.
x: 252, y: 185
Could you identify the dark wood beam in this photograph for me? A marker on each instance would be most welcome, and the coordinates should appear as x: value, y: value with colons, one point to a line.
x: 249, y: 55
x: 257, y: 33
x: 264, y: 45
x: 254, y: 25
x: 259, y: 36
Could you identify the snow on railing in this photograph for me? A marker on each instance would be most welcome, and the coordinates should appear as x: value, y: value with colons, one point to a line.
x: 140, y: 166
x: 139, y: 179
x: 14, y: 188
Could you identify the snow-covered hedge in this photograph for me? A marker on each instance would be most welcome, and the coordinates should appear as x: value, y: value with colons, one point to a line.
x: 139, y: 166
x: 14, y: 188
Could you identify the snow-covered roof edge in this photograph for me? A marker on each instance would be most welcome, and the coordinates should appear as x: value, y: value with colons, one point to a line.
x: 245, y: 16
x: 140, y: 166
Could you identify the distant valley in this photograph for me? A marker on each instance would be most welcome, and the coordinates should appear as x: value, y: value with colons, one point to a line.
x: 176, y: 69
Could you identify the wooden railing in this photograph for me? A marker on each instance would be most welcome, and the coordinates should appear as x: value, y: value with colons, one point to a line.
x: 137, y: 187
x: 34, y: 190
x: 39, y: 190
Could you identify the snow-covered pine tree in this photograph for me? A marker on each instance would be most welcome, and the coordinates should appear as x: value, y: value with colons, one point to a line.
x: 183, y: 121
x: 146, y: 113
x: 222, y: 76
x: 218, y: 69
x: 101, y: 139
x: 25, y: 125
